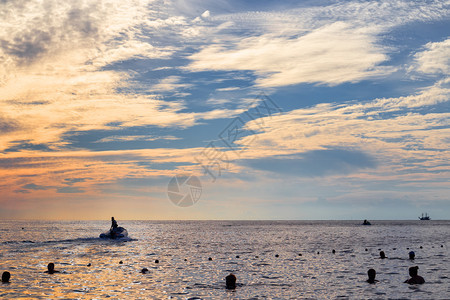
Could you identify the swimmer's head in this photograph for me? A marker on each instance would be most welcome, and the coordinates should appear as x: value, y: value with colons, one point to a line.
x: 230, y: 281
x: 51, y: 267
x: 413, y: 271
x: 371, y: 273
x: 5, y: 277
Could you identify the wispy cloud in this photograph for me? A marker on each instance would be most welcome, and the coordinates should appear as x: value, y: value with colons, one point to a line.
x: 316, y: 163
x: 435, y: 59
x: 332, y: 54
x: 53, y: 77
x: 288, y: 21
x: 94, y: 68
x: 171, y: 83
x: 85, y: 171
x: 403, y: 134
x: 32, y: 186
x: 329, y: 45
x: 129, y: 138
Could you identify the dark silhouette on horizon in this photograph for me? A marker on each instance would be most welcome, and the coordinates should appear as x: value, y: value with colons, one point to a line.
x: 425, y: 217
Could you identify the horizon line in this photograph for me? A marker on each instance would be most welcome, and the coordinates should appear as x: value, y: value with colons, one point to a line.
x: 230, y: 220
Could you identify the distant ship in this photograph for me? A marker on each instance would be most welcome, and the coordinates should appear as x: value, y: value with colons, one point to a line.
x: 424, y: 217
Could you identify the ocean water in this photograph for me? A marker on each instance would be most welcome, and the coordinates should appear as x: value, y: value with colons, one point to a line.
x: 184, y: 271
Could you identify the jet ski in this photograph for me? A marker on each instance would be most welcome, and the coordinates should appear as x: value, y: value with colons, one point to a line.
x: 366, y: 223
x: 115, y: 233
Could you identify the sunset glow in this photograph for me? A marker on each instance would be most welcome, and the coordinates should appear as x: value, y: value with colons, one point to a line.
x: 103, y: 102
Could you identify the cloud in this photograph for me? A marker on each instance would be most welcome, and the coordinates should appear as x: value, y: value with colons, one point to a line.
x: 58, y: 70
x: 26, y: 145
x: 97, y: 32
x: 170, y: 83
x: 27, y: 47
x: 227, y: 89
x: 316, y: 163
x: 128, y: 138
x: 8, y: 125
x: 405, y: 137
x: 35, y: 187
x: 68, y: 68
x: 55, y: 73
x: 69, y: 190
x: 89, y: 170
x: 220, y: 114
x: 206, y: 14
x: 70, y: 181
x: 329, y: 44
x: 435, y: 59
x: 332, y: 54
x: 382, y: 14
x: 218, y: 102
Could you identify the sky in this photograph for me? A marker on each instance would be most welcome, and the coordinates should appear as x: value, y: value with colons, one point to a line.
x: 244, y: 109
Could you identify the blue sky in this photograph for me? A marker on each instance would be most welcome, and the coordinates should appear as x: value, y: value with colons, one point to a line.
x: 103, y: 103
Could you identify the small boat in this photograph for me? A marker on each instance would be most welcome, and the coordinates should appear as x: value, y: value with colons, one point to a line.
x: 424, y: 217
x: 366, y: 223
x: 116, y: 233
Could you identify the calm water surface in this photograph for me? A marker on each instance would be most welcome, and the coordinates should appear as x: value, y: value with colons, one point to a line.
x: 184, y: 271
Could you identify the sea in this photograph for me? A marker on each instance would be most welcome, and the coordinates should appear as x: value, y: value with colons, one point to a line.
x: 190, y: 259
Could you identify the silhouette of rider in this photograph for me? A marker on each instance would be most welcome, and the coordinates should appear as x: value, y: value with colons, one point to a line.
x: 113, y: 223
